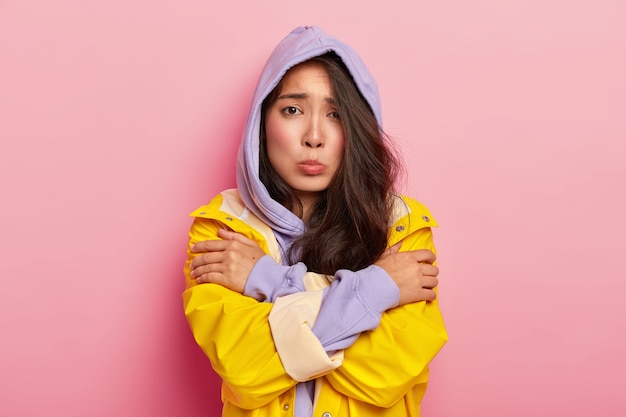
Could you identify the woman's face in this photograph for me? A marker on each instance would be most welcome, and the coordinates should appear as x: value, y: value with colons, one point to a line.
x: 304, y: 134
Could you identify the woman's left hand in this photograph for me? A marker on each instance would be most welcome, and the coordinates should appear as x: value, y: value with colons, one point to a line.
x: 226, y: 262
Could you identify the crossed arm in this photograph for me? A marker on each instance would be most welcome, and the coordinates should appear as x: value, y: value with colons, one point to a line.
x: 229, y: 261
x: 234, y: 330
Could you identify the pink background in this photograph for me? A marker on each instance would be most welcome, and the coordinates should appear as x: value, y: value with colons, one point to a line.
x: 119, y: 117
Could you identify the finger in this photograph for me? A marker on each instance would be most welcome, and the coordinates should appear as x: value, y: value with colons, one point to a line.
x: 206, y: 258
x: 424, y: 256
x: 226, y: 234
x: 429, y: 282
x: 430, y: 270
x: 428, y: 295
x: 207, y: 270
x: 238, y: 237
x: 208, y: 246
x: 210, y: 277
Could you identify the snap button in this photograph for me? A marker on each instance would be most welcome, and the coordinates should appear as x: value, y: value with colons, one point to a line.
x: 327, y: 414
x: 425, y: 218
x: 203, y: 212
x: 230, y: 219
x: 286, y: 407
x: 399, y: 228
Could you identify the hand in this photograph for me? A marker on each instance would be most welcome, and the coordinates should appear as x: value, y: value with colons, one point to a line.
x: 412, y: 271
x: 227, y: 262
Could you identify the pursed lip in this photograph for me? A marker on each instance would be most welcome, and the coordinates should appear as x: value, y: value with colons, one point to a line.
x: 311, y: 167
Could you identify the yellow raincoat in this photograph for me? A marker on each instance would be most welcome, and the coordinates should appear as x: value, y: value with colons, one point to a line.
x: 384, y: 373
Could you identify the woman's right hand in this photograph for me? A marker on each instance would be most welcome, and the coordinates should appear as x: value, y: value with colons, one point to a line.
x: 226, y: 261
x: 412, y: 271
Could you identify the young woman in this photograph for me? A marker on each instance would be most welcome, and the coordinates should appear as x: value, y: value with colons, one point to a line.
x: 312, y: 286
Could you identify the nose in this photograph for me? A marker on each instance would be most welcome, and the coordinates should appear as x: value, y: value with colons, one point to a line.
x: 313, y: 136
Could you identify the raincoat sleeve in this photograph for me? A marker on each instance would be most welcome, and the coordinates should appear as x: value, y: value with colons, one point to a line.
x: 384, y: 364
x: 234, y: 333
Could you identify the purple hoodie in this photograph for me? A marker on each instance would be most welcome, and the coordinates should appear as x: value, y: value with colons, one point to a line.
x: 301, y: 44
x: 349, y: 307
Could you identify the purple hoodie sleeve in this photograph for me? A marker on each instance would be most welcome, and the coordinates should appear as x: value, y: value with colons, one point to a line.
x: 353, y: 303
x: 269, y: 280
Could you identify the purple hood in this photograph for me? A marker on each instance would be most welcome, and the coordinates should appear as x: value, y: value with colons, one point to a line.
x: 300, y: 45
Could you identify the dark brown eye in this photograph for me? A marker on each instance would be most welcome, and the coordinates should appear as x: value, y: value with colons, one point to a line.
x: 291, y: 110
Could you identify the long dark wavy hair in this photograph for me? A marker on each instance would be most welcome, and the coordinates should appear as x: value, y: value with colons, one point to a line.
x: 347, y: 227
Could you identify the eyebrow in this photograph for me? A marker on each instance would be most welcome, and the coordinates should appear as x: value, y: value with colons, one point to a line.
x: 329, y: 100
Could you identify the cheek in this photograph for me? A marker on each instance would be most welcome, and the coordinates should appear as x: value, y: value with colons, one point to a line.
x: 279, y: 142
x: 339, y: 145
x: 277, y: 133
